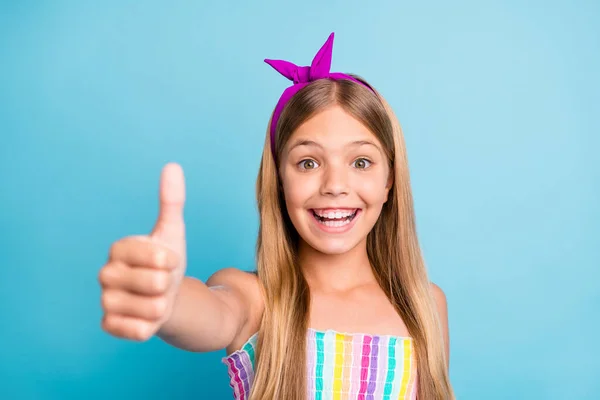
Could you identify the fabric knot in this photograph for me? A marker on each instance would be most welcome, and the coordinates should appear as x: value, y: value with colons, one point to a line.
x: 302, y: 76
x: 319, y: 68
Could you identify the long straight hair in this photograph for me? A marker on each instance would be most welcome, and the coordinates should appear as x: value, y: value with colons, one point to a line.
x: 392, y: 248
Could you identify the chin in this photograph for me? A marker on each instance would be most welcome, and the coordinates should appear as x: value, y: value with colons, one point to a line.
x: 331, y: 247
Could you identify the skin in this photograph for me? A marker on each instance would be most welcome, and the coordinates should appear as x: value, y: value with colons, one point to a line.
x: 331, y: 161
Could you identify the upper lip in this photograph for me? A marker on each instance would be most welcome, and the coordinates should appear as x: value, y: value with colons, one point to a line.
x: 334, y: 208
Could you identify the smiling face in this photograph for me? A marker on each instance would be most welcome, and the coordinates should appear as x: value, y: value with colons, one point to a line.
x: 335, y: 179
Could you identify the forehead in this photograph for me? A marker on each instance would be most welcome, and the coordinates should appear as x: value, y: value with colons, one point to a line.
x: 332, y: 127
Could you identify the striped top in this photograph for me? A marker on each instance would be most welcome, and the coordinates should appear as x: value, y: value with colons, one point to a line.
x: 341, y: 366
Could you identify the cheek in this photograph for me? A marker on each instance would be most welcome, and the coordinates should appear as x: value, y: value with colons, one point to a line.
x: 293, y: 196
x: 297, y: 192
x: 372, y: 191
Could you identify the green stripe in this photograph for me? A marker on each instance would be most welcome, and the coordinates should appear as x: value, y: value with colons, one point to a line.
x: 249, y: 348
x: 389, y: 379
x: 319, y: 365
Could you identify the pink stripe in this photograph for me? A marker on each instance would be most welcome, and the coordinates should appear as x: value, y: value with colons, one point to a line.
x: 382, y: 366
x: 231, y: 370
x: 356, y: 355
x: 236, y: 383
x: 364, y: 370
x: 414, y: 371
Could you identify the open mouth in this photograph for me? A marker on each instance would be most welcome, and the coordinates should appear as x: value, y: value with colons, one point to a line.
x: 335, y: 219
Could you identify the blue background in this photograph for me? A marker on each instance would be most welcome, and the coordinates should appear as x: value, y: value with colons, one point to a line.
x: 499, y: 103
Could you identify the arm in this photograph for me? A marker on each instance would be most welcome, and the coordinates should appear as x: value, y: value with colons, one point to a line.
x: 208, y: 317
x: 442, y: 308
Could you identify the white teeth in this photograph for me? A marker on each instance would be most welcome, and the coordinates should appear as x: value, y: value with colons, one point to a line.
x: 335, y: 218
x: 335, y: 223
x: 335, y: 215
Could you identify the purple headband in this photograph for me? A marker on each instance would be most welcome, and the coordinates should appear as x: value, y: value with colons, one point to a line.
x: 302, y: 76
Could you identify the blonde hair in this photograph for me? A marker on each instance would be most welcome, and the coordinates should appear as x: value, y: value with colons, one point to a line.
x: 392, y: 247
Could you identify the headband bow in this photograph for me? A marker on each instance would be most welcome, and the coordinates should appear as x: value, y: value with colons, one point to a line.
x: 302, y: 76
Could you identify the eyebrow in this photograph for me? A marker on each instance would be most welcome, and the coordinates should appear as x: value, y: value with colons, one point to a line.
x: 303, y: 142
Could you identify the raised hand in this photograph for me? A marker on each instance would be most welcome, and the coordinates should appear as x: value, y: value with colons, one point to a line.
x: 141, y: 278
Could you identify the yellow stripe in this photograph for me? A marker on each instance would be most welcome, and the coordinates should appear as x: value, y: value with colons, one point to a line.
x: 406, y: 370
x: 347, y: 375
x: 338, y: 367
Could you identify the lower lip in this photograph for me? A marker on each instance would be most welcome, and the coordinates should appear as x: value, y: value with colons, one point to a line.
x: 335, y: 229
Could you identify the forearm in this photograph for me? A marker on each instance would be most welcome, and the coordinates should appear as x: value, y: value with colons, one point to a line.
x: 199, y: 321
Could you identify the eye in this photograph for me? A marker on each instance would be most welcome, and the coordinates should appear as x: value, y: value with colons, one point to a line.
x: 362, y: 163
x: 308, y: 164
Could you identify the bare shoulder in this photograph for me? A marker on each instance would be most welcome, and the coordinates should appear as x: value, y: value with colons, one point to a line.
x: 243, y: 283
x: 439, y: 296
x: 442, y: 309
x: 231, y: 277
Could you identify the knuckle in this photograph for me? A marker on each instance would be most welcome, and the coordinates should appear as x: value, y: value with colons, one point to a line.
x: 115, y: 249
x: 105, y: 324
x: 110, y: 325
x: 106, y: 300
x: 105, y: 275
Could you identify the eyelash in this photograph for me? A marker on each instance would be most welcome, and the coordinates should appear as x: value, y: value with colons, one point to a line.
x: 305, y: 160
x: 369, y: 162
x: 364, y: 159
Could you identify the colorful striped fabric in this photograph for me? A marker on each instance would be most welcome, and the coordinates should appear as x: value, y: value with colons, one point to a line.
x: 341, y: 366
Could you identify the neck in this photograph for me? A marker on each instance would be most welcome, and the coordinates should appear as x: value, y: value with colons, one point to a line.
x: 335, y: 272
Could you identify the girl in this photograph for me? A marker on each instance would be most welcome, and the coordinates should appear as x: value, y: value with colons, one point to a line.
x: 340, y: 306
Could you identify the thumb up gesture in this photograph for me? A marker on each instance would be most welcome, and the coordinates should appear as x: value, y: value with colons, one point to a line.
x: 141, y: 278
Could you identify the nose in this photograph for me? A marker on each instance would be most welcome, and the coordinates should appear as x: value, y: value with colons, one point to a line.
x: 334, y: 181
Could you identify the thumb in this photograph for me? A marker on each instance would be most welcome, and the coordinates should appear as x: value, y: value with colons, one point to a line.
x: 169, y: 227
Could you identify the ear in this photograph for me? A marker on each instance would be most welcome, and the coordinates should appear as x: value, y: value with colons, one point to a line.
x: 388, y: 186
